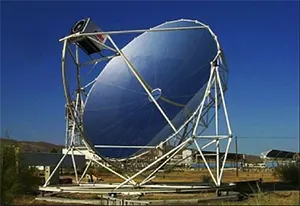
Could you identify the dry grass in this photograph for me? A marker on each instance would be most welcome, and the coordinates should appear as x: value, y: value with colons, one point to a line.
x: 30, y: 200
x: 196, y: 176
x: 177, y: 196
x: 274, y: 198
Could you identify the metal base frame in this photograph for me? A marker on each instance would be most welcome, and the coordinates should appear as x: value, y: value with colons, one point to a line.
x: 104, y: 188
x: 197, y: 121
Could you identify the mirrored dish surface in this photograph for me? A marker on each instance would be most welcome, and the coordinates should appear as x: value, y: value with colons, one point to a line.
x: 175, y: 65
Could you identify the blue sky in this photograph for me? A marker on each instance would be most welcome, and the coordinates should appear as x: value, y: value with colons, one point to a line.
x: 260, y: 40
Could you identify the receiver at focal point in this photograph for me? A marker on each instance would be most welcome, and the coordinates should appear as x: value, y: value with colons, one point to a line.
x: 89, y: 44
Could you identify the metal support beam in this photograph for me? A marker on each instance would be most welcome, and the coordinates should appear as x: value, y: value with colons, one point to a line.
x: 205, y: 162
x: 103, y: 165
x: 133, y: 31
x: 207, y: 91
x: 155, y: 162
x: 57, y: 166
x: 85, y: 170
x: 74, y: 164
x: 161, y: 165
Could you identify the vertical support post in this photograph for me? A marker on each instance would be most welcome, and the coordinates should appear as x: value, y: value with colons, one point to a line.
x: 218, y: 160
x: 79, y: 103
x: 227, y: 122
x: 74, y: 164
x: 217, y: 130
x: 67, y: 140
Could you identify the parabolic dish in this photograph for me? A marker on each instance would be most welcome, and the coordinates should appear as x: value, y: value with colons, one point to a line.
x: 175, y: 64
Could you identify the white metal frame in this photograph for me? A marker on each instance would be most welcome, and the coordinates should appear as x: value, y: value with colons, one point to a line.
x: 196, y: 119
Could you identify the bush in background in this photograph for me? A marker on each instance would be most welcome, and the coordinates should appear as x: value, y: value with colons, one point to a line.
x: 16, y: 178
x: 206, y: 179
x: 289, y: 173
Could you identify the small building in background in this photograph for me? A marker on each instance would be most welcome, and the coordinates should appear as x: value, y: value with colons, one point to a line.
x: 273, y: 158
x: 187, y: 157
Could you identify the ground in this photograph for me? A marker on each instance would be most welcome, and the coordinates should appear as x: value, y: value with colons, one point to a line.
x: 288, y: 197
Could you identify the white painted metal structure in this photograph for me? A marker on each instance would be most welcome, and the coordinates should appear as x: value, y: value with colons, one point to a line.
x: 196, y: 124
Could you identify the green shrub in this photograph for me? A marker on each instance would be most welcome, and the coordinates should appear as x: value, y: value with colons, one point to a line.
x: 289, y: 173
x: 53, y: 150
x: 16, y: 178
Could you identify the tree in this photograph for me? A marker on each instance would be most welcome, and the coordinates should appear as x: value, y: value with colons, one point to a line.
x: 16, y: 178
